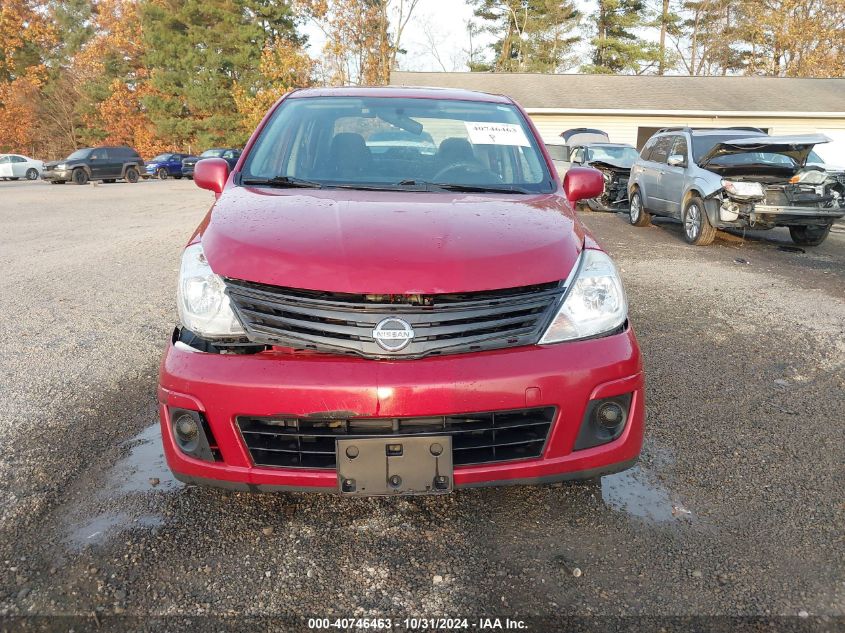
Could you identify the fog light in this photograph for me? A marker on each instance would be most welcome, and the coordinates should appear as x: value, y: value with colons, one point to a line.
x: 604, y: 421
x: 609, y: 415
x: 193, y: 435
x: 187, y: 428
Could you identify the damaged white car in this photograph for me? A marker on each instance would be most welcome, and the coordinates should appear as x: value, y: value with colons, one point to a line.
x: 735, y: 178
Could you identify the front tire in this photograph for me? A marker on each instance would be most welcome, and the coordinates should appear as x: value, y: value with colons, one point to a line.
x: 809, y: 235
x: 637, y: 215
x: 79, y: 177
x: 131, y: 175
x: 697, y: 228
x: 161, y: 174
x: 32, y: 174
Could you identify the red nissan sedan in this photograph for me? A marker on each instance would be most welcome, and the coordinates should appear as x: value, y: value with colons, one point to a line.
x: 392, y: 295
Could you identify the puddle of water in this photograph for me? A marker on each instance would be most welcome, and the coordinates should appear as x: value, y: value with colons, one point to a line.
x: 638, y: 493
x: 100, y: 528
x: 145, y: 461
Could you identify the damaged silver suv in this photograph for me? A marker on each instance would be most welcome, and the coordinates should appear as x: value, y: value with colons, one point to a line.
x: 735, y: 178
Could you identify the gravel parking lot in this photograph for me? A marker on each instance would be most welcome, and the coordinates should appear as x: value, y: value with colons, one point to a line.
x: 736, y: 508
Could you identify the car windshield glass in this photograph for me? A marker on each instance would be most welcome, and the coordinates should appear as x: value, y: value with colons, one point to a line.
x: 701, y: 145
x: 211, y: 153
x: 160, y: 157
x: 80, y: 153
x: 558, y: 152
x: 622, y: 156
x: 404, y: 143
x: 815, y: 158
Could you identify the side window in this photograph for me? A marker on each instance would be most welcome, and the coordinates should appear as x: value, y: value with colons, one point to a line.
x: 662, y: 147
x: 680, y: 147
x: 645, y: 154
x: 18, y: 159
x: 99, y: 154
x: 5, y: 160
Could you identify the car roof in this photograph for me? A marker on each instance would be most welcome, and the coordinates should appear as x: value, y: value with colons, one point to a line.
x: 399, y: 92
x: 601, y: 144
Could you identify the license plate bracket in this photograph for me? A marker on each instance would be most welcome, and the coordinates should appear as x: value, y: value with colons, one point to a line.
x: 390, y: 466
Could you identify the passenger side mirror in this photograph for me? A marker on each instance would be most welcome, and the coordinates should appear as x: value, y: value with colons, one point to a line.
x: 677, y: 160
x: 581, y: 183
x: 211, y: 174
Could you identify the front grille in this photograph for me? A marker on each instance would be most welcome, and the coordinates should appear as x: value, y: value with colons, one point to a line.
x: 477, y: 438
x: 344, y: 323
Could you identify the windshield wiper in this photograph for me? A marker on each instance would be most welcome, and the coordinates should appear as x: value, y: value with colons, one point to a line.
x: 283, y: 181
x: 445, y: 186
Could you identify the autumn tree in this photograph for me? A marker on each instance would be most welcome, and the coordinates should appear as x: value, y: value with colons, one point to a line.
x: 25, y: 37
x: 617, y: 47
x: 793, y: 38
x: 363, y: 38
x: 531, y: 35
x: 284, y: 66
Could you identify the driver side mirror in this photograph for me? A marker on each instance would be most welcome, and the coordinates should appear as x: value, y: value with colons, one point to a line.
x: 211, y: 174
x: 677, y: 160
x: 581, y: 183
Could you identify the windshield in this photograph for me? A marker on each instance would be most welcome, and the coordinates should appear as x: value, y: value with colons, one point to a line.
x: 701, y: 145
x: 558, y: 152
x: 78, y: 154
x: 622, y: 156
x: 390, y: 142
x: 160, y: 158
x: 212, y: 153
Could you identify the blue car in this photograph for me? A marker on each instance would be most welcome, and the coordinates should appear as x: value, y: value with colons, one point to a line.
x: 165, y: 166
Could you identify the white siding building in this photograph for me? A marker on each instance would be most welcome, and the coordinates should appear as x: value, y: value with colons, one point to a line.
x: 631, y: 108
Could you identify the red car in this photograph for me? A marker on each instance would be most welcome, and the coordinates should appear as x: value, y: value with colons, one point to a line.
x: 397, y: 321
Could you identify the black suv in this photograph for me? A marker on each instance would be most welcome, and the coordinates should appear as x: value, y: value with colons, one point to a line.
x: 230, y: 155
x: 95, y: 163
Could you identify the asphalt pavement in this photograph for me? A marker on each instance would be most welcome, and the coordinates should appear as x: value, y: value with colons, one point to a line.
x: 735, y: 509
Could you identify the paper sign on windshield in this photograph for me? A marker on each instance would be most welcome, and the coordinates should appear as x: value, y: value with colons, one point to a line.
x: 496, y: 134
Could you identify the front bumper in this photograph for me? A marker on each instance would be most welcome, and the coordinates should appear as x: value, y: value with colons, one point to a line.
x: 188, y: 169
x: 56, y: 174
x: 566, y: 376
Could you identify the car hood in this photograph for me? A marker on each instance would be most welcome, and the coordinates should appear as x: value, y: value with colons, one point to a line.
x: 190, y: 159
x: 64, y: 161
x: 624, y: 166
x: 391, y: 242
x: 797, y: 147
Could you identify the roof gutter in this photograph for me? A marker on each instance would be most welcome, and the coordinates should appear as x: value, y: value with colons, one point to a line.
x: 702, y: 113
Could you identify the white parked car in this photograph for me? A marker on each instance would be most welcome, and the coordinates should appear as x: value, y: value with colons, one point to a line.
x: 15, y: 166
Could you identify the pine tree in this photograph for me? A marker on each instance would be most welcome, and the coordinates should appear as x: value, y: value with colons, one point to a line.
x: 531, y: 35
x: 616, y: 47
x: 197, y: 51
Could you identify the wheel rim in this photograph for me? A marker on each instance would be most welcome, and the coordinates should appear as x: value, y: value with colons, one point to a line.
x: 162, y: 174
x: 635, y: 207
x: 31, y: 174
x: 131, y: 175
x: 692, y: 224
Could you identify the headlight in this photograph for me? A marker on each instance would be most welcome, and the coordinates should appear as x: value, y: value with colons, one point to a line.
x: 809, y: 177
x: 61, y: 166
x: 595, y: 302
x: 606, y: 177
x: 203, y: 305
x: 743, y: 189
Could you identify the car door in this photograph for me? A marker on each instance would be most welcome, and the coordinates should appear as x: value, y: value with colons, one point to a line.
x: 657, y: 167
x: 98, y: 163
x: 671, y: 184
x: 645, y: 173
x: 18, y: 166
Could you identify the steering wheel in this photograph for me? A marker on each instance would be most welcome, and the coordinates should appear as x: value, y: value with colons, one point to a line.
x: 465, y: 165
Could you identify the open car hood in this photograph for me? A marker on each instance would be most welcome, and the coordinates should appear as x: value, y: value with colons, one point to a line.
x: 612, y: 164
x: 797, y: 147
